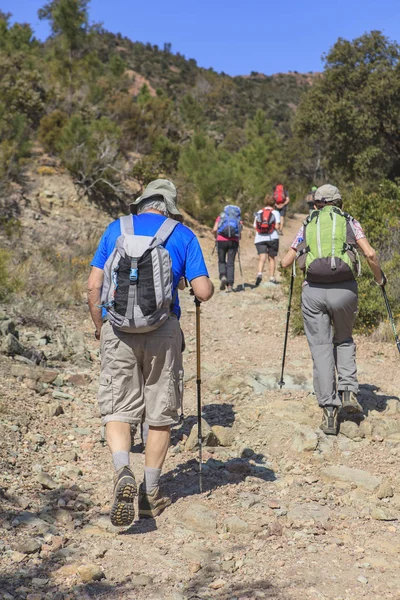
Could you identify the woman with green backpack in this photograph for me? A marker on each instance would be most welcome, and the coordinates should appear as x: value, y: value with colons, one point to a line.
x: 326, y: 248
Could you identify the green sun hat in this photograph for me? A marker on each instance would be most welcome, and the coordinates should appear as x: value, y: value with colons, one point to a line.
x: 327, y: 193
x: 164, y: 188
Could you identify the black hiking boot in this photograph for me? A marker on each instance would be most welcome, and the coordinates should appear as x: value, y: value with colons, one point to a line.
x: 258, y: 280
x: 223, y: 283
x: 125, y: 490
x: 151, y: 504
x: 350, y: 403
x: 329, y: 423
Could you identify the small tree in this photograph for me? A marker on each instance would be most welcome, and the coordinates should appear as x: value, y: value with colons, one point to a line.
x: 352, y: 113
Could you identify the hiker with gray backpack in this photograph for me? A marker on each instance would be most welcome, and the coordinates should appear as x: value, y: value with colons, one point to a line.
x: 326, y: 248
x: 133, y: 301
x: 227, y: 230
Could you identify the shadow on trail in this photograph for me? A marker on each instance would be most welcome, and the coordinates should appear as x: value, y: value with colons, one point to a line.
x: 214, y: 414
x: 371, y: 400
x: 261, y: 588
x: 140, y: 527
x: 183, y: 481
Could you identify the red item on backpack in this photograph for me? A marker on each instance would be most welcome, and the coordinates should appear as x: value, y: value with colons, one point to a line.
x: 279, y: 194
x: 265, y: 222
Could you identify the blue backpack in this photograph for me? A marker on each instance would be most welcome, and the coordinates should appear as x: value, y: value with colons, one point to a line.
x: 229, y: 222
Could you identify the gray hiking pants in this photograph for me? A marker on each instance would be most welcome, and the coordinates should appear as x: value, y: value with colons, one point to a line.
x: 328, y: 307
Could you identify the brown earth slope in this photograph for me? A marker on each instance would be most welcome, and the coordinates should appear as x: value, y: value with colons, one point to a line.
x: 286, y: 512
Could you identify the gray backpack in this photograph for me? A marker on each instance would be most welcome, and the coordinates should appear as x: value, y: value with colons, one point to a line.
x: 138, y: 280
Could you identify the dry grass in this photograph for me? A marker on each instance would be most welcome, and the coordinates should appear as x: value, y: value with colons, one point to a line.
x: 52, y: 279
x: 384, y: 332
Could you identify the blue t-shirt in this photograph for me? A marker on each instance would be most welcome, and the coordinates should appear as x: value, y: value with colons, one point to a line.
x: 182, y: 245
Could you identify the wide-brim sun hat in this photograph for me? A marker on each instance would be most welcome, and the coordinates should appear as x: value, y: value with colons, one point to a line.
x: 327, y: 193
x: 164, y: 188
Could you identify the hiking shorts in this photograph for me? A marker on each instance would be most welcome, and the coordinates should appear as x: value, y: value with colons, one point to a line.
x: 282, y: 211
x: 271, y: 248
x: 141, y: 375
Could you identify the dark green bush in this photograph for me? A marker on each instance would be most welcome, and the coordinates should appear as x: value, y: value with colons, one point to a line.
x: 50, y: 129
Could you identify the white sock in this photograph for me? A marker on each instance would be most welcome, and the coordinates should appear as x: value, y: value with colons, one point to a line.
x: 120, y: 459
x: 259, y: 274
x: 151, y: 478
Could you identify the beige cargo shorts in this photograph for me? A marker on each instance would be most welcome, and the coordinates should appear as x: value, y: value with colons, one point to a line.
x: 141, y: 375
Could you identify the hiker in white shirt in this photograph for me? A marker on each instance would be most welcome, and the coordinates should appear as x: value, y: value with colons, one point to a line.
x: 267, y: 223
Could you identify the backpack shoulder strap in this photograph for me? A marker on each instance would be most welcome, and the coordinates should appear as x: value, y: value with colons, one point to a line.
x: 126, y: 224
x: 163, y: 233
x: 310, y: 217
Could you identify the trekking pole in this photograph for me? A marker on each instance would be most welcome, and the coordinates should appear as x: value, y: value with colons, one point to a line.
x: 240, y: 263
x: 281, y: 382
x: 391, y: 319
x: 198, y: 383
x: 240, y: 269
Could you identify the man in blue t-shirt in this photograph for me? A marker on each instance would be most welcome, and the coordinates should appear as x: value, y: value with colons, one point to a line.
x: 141, y: 373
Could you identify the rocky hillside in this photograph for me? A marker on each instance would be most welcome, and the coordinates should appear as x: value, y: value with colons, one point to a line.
x: 112, y: 112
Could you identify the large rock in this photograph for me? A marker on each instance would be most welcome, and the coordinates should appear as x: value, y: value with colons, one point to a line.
x: 261, y: 382
x: 141, y: 580
x: 208, y: 436
x: 301, y: 515
x: 46, y: 480
x: 8, y: 326
x: 349, y: 475
x: 225, y: 383
x: 199, y: 518
x: 90, y: 572
x: 225, y: 435
x: 30, y: 520
x: 385, y: 490
x: 392, y: 406
x: 235, y: 524
x: 12, y: 346
x: 30, y: 546
x: 305, y: 440
x: 382, y: 514
x: 365, y: 429
x: 71, y: 345
x: 54, y: 409
x: 48, y: 375
x: 351, y: 430
x: 295, y: 412
x: 79, y: 379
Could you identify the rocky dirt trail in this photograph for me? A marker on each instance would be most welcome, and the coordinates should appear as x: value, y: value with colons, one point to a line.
x: 286, y: 511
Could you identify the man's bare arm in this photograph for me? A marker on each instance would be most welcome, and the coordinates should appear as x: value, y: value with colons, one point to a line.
x: 95, y: 283
x: 202, y: 287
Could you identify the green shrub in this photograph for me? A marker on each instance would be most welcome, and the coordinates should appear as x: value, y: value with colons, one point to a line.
x: 8, y: 283
x: 15, y: 145
x: 90, y: 151
x: 50, y: 128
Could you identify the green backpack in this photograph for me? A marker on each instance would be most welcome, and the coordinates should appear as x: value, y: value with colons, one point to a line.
x: 329, y: 247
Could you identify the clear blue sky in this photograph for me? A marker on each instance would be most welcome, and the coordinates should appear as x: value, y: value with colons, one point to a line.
x: 236, y: 36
